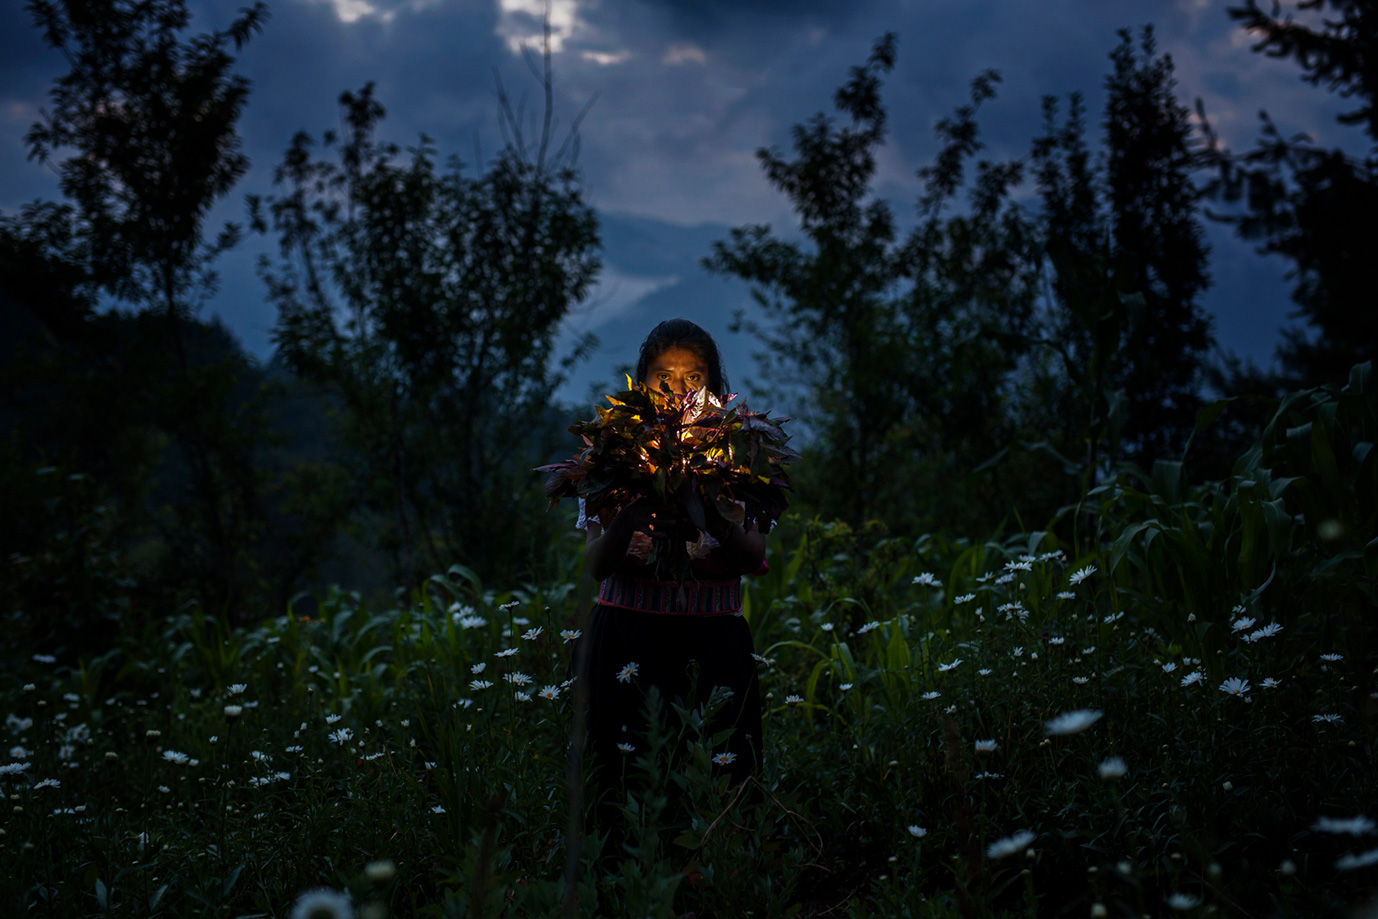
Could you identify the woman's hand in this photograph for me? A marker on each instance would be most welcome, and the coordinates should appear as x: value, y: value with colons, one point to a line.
x: 605, y: 549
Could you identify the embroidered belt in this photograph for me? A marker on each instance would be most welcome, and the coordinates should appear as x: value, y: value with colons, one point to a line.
x: 673, y: 598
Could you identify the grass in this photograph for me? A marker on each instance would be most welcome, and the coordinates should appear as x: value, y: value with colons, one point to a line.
x: 914, y: 763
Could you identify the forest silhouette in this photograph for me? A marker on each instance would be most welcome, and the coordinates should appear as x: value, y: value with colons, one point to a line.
x: 978, y: 374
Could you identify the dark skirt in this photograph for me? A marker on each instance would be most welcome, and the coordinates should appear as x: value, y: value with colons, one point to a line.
x: 685, y: 658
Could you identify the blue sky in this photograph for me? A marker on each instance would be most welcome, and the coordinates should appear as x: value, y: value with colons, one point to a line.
x: 687, y: 91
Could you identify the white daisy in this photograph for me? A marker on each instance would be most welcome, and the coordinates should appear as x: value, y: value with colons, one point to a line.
x: 236, y: 689
x: 625, y: 747
x: 722, y: 759
x: 964, y: 598
x: 793, y: 699
x: 1113, y: 768
x: 1270, y: 683
x: 1193, y: 677
x: 1326, y: 719
x: 917, y: 831
x: 930, y: 695
x: 1235, y: 686
x: 532, y: 634
x: 479, y: 667
x: 1080, y: 575
x: 550, y: 693
x: 926, y: 579
x: 626, y: 673
x: 570, y: 634
x: 1073, y: 722
x: 323, y: 903
x: 1354, y: 826
x: 986, y: 746
x: 506, y: 652
x: 476, y: 685
x: 1242, y: 623
x: 1009, y: 845
x: 1169, y: 667
x: 517, y: 678
x: 944, y: 668
x: 1350, y: 860
x: 1183, y: 901
x: 1332, y: 657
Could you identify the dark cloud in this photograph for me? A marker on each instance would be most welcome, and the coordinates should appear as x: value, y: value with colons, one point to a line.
x: 687, y: 91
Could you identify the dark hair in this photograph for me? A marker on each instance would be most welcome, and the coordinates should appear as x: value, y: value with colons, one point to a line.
x: 681, y: 333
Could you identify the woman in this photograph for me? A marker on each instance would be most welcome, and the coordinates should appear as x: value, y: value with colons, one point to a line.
x: 685, y: 639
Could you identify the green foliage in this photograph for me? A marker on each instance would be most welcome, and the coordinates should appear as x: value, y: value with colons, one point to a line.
x: 907, y: 328
x: 426, y: 301
x: 694, y: 456
x: 152, y: 116
x: 995, y: 336
x: 1309, y: 204
x: 142, y: 132
x: 953, y: 728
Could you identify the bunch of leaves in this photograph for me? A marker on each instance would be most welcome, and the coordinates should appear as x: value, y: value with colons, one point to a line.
x: 697, y: 458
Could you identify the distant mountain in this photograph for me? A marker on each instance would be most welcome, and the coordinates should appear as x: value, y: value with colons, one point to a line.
x: 651, y: 273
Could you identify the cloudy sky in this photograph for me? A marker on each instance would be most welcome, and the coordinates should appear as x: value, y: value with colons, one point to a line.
x: 686, y: 92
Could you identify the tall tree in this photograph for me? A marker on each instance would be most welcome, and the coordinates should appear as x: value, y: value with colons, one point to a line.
x: 427, y: 300
x: 1311, y: 205
x: 886, y: 333
x: 1153, y: 210
x: 142, y: 131
x: 1127, y: 264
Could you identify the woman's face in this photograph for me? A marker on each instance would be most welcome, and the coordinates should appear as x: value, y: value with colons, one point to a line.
x: 678, y: 368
